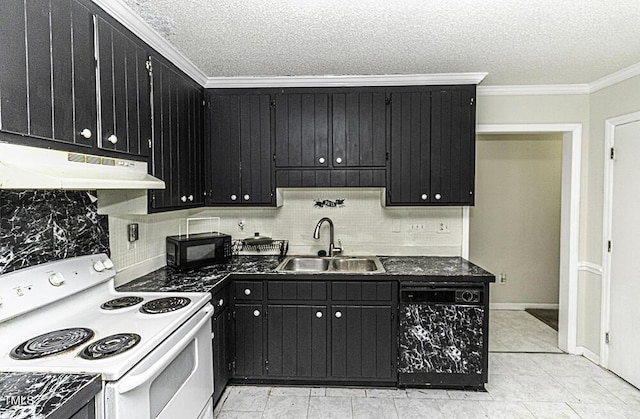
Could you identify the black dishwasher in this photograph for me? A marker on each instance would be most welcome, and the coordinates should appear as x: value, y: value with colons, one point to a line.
x: 442, y: 337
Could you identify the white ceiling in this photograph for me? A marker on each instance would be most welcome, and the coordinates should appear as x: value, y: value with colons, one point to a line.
x: 518, y: 42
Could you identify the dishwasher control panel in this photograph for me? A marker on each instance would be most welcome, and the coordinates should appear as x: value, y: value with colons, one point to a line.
x: 434, y: 295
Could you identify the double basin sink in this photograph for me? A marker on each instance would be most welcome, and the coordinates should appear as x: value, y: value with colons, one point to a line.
x: 336, y: 264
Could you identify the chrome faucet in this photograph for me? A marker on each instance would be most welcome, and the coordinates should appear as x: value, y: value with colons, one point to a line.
x: 333, y: 250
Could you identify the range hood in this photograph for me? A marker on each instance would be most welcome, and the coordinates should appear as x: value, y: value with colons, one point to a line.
x: 37, y: 168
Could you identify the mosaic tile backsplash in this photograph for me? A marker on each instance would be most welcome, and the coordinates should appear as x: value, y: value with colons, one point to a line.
x: 41, y: 226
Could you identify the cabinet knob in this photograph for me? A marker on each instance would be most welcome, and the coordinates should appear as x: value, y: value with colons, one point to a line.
x: 112, y: 139
x: 183, y: 198
x: 256, y: 313
x: 319, y: 314
x: 247, y: 291
x: 246, y: 197
x: 339, y: 160
x: 234, y: 197
x: 321, y: 160
x: 437, y: 196
x: 338, y: 314
x: 86, y: 133
x: 423, y: 196
x: 190, y: 198
x: 220, y: 302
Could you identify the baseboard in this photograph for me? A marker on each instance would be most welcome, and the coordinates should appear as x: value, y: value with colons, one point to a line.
x: 132, y: 272
x: 593, y: 357
x: 522, y: 306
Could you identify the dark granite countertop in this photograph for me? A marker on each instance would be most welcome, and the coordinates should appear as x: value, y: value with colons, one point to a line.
x: 417, y: 268
x: 45, y: 395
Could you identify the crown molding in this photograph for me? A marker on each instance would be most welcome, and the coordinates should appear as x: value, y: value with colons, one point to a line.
x: 132, y: 21
x: 534, y: 89
x: 613, y: 78
x: 346, y: 80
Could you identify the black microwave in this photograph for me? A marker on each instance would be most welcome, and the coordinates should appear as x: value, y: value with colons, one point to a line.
x: 196, y: 250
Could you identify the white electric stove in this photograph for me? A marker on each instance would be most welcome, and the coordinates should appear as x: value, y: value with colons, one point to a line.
x: 152, y: 349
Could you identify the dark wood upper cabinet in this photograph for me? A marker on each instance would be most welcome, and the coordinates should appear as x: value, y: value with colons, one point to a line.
x: 359, y: 123
x: 432, y: 147
x: 302, y: 130
x: 178, y: 137
x: 239, y: 150
x: 125, y: 114
x: 47, y: 73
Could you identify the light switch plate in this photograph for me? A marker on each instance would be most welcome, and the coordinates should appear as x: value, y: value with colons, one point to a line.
x: 132, y: 232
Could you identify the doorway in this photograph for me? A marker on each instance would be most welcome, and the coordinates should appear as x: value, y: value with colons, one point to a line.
x: 569, y: 221
x: 515, y: 233
x: 621, y: 312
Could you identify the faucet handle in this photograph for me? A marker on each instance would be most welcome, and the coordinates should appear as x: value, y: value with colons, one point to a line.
x: 337, y: 250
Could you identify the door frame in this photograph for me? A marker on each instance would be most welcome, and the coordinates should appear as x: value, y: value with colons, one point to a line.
x: 605, y: 302
x: 569, y: 221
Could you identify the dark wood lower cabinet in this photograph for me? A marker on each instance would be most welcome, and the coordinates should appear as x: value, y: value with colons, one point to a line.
x: 362, y: 342
x: 296, y: 341
x: 221, y: 329
x: 249, y: 361
x: 315, y: 331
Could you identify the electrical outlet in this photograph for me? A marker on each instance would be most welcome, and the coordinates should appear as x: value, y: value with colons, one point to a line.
x: 443, y: 227
x: 416, y: 228
x: 503, y: 278
x: 241, y: 225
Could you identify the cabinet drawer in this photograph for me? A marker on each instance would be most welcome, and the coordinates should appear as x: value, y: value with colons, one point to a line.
x: 362, y: 291
x: 297, y: 290
x: 248, y: 290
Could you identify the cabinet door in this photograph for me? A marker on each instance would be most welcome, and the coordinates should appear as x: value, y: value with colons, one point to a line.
x: 362, y: 342
x: 302, y: 130
x: 221, y: 359
x: 248, y: 340
x: 124, y: 112
x: 177, y: 138
x: 297, y: 341
x: 47, y: 73
x: 240, y: 150
x: 410, y: 154
x: 453, y: 145
x: 358, y: 121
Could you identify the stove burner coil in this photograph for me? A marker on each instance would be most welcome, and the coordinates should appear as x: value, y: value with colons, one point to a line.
x: 164, y: 305
x: 122, y: 302
x: 110, y: 346
x: 51, y: 343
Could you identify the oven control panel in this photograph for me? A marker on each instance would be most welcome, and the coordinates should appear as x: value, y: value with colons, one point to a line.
x: 30, y: 288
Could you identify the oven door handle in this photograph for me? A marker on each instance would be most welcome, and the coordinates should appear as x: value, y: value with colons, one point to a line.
x: 135, y: 381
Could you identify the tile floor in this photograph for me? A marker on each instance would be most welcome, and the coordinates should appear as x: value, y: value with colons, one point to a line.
x: 521, y: 385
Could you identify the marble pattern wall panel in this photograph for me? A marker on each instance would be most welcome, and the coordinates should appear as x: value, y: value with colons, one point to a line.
x: 441, y: 339
x: 41, y: 226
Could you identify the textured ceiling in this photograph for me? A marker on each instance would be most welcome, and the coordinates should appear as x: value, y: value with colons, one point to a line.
x: 518, y: 42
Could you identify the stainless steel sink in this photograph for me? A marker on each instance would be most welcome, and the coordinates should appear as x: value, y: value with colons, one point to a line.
x: 340, y: 264
x: 304, y: 264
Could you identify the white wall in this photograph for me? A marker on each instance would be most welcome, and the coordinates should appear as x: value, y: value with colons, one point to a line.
x: 515, y: 224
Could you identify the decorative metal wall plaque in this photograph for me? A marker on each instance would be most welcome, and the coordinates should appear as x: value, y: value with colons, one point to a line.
x: 321, y: 203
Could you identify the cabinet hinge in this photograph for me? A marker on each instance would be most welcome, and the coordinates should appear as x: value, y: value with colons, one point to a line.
x: 233, y: 316
x: 387, y: 101
x: 149, y: 143
x: 386, y: 156
x: 274, y: 157
x: 612, y: 154
x: 272, y: 103
x: 609, y: 246
x: 230, y: 367
x: 606, y: 337
x: 149, y: 65
x: 266, y: 364
x: 233, y: 366
x: 471, y: 102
